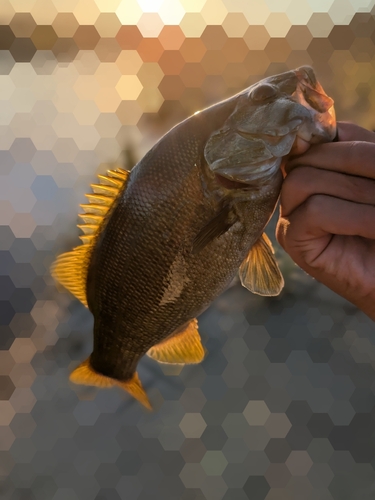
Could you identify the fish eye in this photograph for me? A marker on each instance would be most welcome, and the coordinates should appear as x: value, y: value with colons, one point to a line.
x: 263, y: 92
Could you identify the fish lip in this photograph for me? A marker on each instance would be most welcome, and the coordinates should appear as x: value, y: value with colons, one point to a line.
x: 324, y: 103
x: 306, y: 77
x: 310, y: 94
x: 312, y: 91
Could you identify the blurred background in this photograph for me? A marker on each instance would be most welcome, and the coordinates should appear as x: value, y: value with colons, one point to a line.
x: 283, y: 405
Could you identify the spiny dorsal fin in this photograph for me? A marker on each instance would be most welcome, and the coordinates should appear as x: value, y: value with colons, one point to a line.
x: 70, y: 268
x: 259, y: 272
x: 183, y: 347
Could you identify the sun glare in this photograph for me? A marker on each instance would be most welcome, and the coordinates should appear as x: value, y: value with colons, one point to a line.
x: 150, y: 5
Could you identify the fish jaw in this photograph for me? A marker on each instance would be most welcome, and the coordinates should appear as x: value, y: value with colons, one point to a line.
x: 277, y: 117
x: 322, y: 127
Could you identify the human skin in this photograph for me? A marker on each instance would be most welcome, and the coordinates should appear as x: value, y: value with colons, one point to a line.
x: 327, y: 214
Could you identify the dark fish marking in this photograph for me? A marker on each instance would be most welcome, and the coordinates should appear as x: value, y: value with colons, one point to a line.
x: 214, y: 228
x: 229, y: 184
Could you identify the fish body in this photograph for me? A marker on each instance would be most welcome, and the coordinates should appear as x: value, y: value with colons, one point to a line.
x: 186, y: 218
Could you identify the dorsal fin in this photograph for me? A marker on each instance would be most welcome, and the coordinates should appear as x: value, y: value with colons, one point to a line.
x: 70, y: 268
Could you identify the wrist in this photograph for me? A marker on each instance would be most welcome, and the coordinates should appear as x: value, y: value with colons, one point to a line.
x: 369, y: 309
x: 365, y: 304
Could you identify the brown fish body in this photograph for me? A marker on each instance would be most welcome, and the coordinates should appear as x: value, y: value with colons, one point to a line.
x: 143, y: 286
x: 189, y: 215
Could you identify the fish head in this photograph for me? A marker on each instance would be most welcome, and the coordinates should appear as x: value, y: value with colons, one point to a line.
x: 279, y: 116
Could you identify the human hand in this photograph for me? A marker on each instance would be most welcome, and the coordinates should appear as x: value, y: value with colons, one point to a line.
x: 327, y: 214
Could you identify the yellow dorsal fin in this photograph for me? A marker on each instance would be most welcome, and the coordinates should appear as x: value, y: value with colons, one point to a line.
x: 87, y: 239
x: 105, y: 190
x: 70, y: 268
x: 90, y: 218
x: 109, y: 181
x: 92, y: 208
x: 100, y: 199
x: 183, y: 347
x: 119, y: 173
x: 259, y: 272
x: 84, y: 374
x: 88, y: 228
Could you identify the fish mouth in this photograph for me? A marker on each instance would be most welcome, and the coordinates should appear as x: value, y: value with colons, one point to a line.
x: 279, y: 117
x: 312, y: 90
x: 310, y: 94
x: 318, y: 126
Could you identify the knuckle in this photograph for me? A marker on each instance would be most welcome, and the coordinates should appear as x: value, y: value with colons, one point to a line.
x: 354, y: 150
x: 289, y: 234
x: 362, y: 188
x: 296, y: 184
x: 314, y: 206
x: 298, y: 176
x: 357, y: 187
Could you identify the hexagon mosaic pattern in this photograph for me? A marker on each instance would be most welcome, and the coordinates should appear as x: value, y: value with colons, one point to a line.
x: 283, y: 406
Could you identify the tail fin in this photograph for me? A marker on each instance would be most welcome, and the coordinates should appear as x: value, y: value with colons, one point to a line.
x: 86, y: 375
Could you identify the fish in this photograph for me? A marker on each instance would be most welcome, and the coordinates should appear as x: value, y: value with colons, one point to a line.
x: 162, y: 241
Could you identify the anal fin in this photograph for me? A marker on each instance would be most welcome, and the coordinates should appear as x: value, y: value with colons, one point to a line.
x: 183, y: 347
x: 84, y: 374
x: 259, y: 272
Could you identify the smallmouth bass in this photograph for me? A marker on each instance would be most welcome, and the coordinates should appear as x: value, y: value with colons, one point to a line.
x: 163, y: 241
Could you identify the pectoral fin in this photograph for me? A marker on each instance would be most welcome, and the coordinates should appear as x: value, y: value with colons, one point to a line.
x: 213, y: 229
x: 259, y: 272
x: 183, y: 347
x: 86, y: 375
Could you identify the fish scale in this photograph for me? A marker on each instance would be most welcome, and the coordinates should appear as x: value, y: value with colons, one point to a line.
x: 180, y: 225
x: 148, y: 203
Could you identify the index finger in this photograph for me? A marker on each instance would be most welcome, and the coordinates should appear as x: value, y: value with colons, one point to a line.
x: 347, y: 131
x: 351, y: 157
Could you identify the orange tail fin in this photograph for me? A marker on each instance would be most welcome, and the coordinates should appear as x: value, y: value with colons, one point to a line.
x: 86, y: 375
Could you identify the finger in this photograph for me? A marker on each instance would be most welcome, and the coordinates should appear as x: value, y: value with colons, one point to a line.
x: 354, y: 157
x: 340, y: 262
x: 320, y: 215
x: 351, y: 132
x: 304, y: 182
